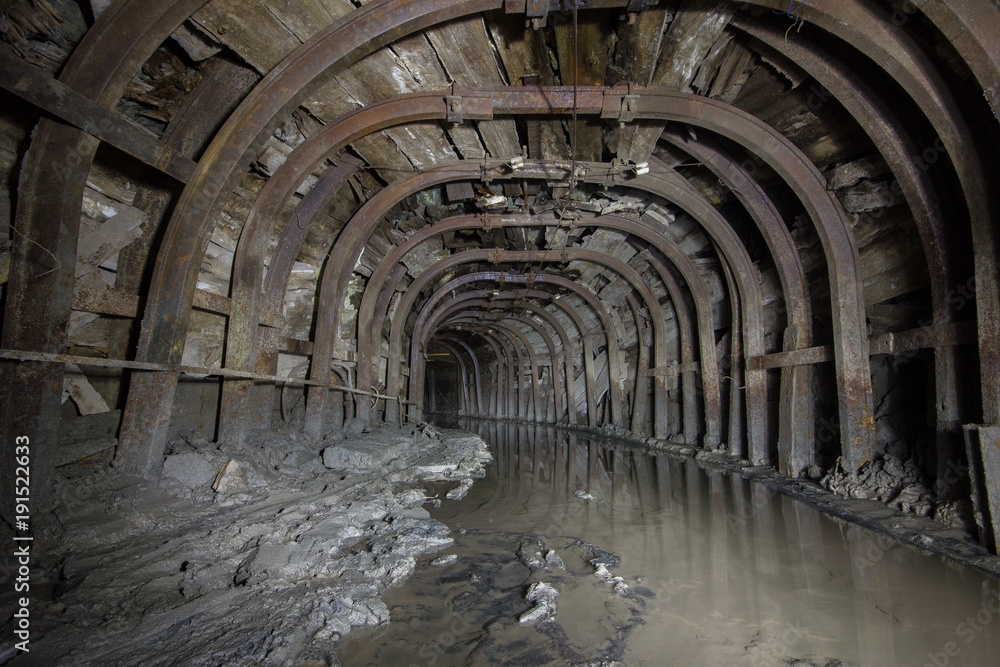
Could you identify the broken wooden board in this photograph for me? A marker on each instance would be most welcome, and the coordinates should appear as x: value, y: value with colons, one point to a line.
x: 692, y: 33
x: 465, y: 50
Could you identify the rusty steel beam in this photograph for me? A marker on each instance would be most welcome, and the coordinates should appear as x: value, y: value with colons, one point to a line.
x: 45, y: 357
x: 872, y: 32
x: 689, y: 395
x: 582, y: 330
x: 121, y: 304
x: 970, y: 26
x: 370, y: 320
x: 889, y: 133
x: 629, y: 274
x: 175, y: 273
x: 796, y: 429
x: 242, y: 337
x: 54, y: 171
x: 735, y: 440
x: 476, y: 299
x: 224, y: 82
x: 933, y: 337
x: 36, y: 87
x: 640, y: 391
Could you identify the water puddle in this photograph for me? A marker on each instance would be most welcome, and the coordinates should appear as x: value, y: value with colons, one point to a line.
x: 656, y: 561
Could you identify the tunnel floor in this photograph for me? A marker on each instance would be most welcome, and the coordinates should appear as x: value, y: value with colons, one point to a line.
x: 587, y: 552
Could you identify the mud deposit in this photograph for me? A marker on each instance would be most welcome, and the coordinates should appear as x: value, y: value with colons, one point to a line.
x: 582, y: 552
x: 262, y: 556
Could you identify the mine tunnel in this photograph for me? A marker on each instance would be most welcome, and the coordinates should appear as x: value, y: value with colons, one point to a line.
x: 246, y: 244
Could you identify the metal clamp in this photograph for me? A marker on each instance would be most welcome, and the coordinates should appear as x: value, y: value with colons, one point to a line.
x: 640, y: 5
x: 454, y: 107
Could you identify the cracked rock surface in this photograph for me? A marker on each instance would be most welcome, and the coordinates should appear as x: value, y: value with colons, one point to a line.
x: 262, y: 556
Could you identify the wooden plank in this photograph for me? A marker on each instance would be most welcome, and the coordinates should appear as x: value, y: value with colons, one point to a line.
x: 250, y: 29
x: 594, y: 45
x: 692, y: 33
x: 77, y: 387
x: 380, y: 76
x: 673, y: 369
x: 810, y: 355
x: 526, y: 59
x: 465, y: 50
x: 936, y: 335
x: 417, y: 55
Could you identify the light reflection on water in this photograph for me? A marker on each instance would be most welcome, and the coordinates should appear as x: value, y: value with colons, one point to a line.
x: 719, y: 571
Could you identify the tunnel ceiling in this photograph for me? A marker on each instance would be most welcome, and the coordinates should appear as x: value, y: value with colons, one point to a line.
x: 761, y: 227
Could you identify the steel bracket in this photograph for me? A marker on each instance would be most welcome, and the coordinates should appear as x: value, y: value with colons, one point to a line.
x: 454, y: 106
x: 537, y: 12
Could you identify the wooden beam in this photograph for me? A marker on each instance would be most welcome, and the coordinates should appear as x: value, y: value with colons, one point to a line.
x: 922, y: 338
x: 50, y: 95
x: 117, y: 303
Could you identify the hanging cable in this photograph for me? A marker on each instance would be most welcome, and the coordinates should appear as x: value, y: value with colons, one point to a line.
x: 576, y: 76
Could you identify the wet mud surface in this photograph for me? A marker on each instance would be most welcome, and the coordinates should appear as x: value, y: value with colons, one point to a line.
x: 657, y: 561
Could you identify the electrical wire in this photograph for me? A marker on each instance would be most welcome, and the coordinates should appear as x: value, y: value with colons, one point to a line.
x: 793, y: 10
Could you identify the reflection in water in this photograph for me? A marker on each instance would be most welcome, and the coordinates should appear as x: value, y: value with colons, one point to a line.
x: 712, y: 570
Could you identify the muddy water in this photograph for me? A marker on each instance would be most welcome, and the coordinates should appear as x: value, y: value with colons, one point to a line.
x: 659, y: 562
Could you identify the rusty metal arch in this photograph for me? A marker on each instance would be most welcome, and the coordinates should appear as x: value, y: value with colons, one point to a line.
x: 967, y: 27
x: 614, y: 370
x: 859, y: 396
x: 475, y: 364
x: 796, y: 410
x: 549, y: 318
x: 662, y: 184
x: 58, y: 161
x: 501, y: 378
x: 627, y: 273
x: 517, y: 336
x: 525, y: 399
x: 666, y: 105
x: 480, y: 297
x: 330, y: 50
x: 569, y: 311
x: 897, y: 53
x: 665, y: 246
x: 888, y: 133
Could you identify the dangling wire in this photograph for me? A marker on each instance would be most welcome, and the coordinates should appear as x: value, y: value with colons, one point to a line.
x: 576, y: 76
x: 793, y: 9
